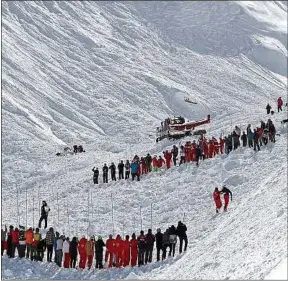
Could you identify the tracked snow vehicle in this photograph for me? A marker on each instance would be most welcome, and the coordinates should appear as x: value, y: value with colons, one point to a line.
x: 177, y: 127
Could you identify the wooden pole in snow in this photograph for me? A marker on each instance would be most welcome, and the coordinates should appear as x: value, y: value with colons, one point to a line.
x: 17, y: 206
x: 140, y: 217
x: 26, y: 207
x: 112, y: 212
x: 58, y: 208
x: 33, y: 210
x: 151, y: 217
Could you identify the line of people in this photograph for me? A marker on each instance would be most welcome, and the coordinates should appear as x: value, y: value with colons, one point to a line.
x: 119, y: 252
x: 190, y: 152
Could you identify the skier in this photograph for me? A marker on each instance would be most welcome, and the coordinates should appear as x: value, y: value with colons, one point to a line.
x: 121, y: 170
x: 279, y: 104
x: 49, y: 243
x: 174, y: 152
x: 105, y: 173
x: 141, y: 248
x: 82, y: 252
x: 159, y: 242
x: 109, y: 250
x: 44, y: 214
x: 127, y: 169
x: 217, y: 199
x: 167, y: 156
x: 73, y: 252
x: 268, y: 108
x: 66, y: 252
x: 134, y: 250
x: 244, y: 139
x: 113, y: 171
x: 95, y: 175
x: 99, y: 252
x: 89, y: 248
x: 181, y: 233
x: 226, y: 192
x: 150, y: 239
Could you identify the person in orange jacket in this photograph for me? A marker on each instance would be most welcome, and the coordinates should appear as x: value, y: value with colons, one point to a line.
x: 82, y: 252
x: 90, y: 248
x: 126, y: 251
x: 155, y: 163
x: 109, y: 250
x: 217, y: 199
x: 211, y: 149
x: 161, y: 162
x: 193, y: 151
x: 29, y: 241
x: 118, y: 250
x: 221, y: 145
x: 168, y: 157
x: 134, y: 250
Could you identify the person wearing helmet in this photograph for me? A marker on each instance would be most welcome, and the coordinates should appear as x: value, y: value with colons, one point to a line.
x: 99, y: 252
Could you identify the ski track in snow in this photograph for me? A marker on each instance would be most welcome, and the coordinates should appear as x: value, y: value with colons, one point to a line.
x: 105, y: 74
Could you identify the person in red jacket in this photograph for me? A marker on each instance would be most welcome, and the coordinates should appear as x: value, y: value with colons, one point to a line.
x: 126, y: 251
x: 134, y: 250
x: 211, y: 149
x: 279, y: 104
x: 15, y: 241
x: 161, y: 162
x: 168, y: 157
x: 82, y: 252
x: 155, y: 163
x: 193, y: 151
x: 221, y: 145
x: 144, y: 168
x: 118, y: 250
x: 226, y: 192
x: 205, y: 148
x: 216, y: 145
x: 188, y: 151
x: 217, y: 199
x: 110, y: 250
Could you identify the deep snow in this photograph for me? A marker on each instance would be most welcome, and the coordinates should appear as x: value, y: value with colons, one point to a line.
x: 105, y: 74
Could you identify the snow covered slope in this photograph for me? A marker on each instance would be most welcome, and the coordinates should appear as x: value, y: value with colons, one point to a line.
x: 105, y: 74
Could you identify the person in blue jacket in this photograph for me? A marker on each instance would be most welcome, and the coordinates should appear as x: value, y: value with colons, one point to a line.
x: 135, y: 170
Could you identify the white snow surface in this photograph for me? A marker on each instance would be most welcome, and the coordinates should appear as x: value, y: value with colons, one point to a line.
x: 104, y: 75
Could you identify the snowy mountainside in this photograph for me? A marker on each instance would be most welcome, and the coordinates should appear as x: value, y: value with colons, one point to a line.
x: 105, y: 74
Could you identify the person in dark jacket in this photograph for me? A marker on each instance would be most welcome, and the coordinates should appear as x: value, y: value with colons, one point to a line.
x: 198, y: 154
x: 250, y: 136
x: 148, y: 161
x: 268, y: 108
x: 150, y: 239
x: 236, y: 141
x: 230, y: 143
x: 22, y: 243
x: 141, y: 247
x: 256, y: 140
x: 173, y: 240
x: 44, y: 214
x: 73, y: 252
x: 50, y: 236
x: 174, y: 152
x: 165, y: 243
x: 112, y: 167
x: 105, y: 173
x: 121, y: 170
x: 75, y: 148
x: 159, y: 243
x: 99, y: 252
x: 226, y: 192
x: 181, y: 233
x: 41, y: 248
x: 9, y: 242
x: 95, y: 175
x: 244, y: 139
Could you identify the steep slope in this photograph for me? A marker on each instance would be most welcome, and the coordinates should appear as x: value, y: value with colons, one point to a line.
x: 105, y: 74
